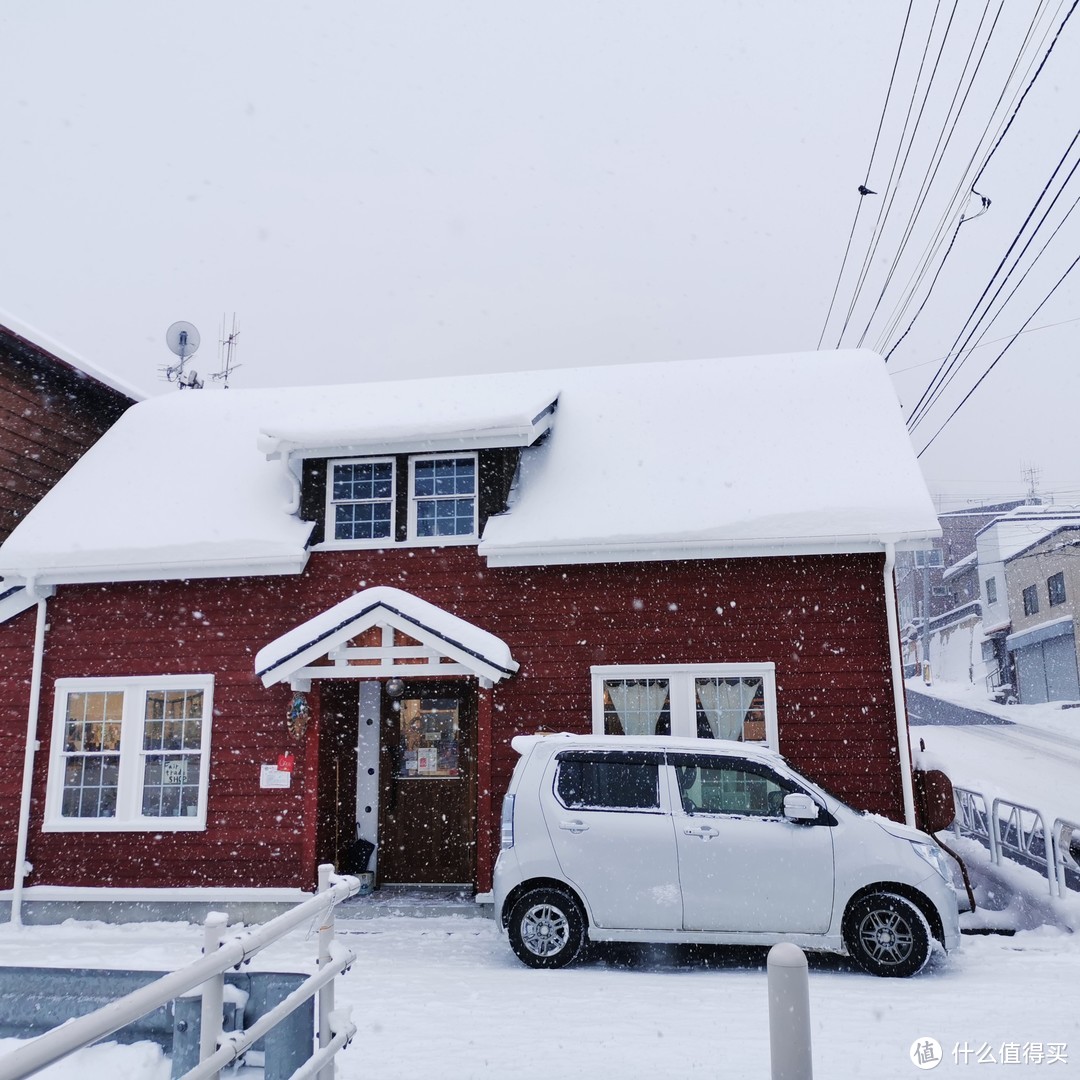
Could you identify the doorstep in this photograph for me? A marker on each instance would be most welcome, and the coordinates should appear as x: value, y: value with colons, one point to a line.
x: 415, y: 901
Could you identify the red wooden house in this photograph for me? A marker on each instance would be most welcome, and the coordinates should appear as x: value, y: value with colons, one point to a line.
x: 264, y: 617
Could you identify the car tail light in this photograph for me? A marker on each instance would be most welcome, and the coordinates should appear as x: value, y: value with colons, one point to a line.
x: 506, y: 836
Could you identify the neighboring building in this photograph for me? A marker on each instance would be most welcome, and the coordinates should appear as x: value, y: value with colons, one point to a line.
x: 1042, y: 584
x: 998, y: 545
x: 926, y: 588
x: 280, y: 613
x: 53, y: 408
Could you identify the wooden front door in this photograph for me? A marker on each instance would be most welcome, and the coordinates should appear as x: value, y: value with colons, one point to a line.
x: 427, y: 797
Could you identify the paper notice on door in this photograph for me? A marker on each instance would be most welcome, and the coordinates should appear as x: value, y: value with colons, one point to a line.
x: 427, y: 760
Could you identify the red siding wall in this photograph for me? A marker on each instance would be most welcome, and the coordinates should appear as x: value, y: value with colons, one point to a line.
x: 820, y: 619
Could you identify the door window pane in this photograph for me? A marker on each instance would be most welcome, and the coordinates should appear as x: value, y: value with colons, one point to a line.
x: 739, y: 788
x: 429, y: 738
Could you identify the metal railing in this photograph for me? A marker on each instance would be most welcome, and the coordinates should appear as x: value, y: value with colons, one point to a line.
x: 1016, y: 832
x: 218, y: 1048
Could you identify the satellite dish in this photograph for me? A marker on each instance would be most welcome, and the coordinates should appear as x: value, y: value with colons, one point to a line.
x: 182, y: 338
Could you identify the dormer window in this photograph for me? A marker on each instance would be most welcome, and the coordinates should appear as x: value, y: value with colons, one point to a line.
x: 442, y: 499
x: 360, y: 500
x: 429, y: 499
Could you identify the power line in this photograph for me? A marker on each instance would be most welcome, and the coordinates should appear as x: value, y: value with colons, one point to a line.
x: 993, y: 364
x: 946, y: 367
x: 864, y: 187
x: 894, y: 179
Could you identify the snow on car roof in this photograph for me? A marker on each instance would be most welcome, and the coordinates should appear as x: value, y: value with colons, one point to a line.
x: 787, y: 454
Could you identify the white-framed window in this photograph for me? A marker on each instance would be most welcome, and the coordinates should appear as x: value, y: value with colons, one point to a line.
x: 360, y: 501
x: 442, y: 497
x: 130, y: 754
x: 711, y: 701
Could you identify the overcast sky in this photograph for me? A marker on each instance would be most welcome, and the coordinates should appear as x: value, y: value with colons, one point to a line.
x: 382, y: 190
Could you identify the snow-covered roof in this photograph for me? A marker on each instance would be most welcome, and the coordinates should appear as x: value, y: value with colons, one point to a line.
x: 1023, y: 528
x: 481, y: 652
x: 54, y: 348
x: 790, y: 454
x: 966, y: 563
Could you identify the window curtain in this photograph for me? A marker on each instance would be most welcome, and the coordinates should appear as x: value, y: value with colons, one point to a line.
x: 638, y: 703
x: 726, y: 703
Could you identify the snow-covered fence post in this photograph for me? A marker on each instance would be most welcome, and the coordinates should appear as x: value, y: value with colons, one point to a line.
x: 213, y: 990
x: 326, y: 993
x: 789, y: 1013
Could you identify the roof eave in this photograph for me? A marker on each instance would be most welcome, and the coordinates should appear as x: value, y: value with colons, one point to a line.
x: 662, y: 551
x: 268, y: 566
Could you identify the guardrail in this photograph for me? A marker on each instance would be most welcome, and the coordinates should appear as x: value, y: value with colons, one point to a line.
x: 1017, y: 832
x: 218, y: 1048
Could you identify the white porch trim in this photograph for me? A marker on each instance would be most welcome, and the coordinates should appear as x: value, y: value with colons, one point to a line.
x: 448, y: 645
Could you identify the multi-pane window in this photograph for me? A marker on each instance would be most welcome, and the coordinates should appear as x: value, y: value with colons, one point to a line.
x: 130, y: 753
x: 1031, y: 600
x: 443, y: 496
x: 428, y: 498
x: 709, y: 701
x: 172, y: 752
x: 1055, y: 587
x: 362, y: 500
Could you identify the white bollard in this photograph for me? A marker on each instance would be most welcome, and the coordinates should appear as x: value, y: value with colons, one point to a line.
x: 789, y: 1013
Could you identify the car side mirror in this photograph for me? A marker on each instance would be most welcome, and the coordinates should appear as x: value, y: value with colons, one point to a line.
x: 800, y: 807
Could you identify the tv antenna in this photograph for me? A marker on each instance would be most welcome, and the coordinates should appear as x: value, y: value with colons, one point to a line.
x: 183, y: 339
x: 227, y: 352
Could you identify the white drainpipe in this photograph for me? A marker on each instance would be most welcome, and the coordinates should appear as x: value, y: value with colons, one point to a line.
x: 21, y: 869
x: 903, y: 744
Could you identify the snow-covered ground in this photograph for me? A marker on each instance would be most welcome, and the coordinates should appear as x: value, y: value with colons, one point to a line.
x: 444, y: 997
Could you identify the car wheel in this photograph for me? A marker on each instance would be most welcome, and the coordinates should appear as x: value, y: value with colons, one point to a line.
x: 546, y: 928
x: 887, y: 935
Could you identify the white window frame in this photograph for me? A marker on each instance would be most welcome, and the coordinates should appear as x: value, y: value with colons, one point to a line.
x: 442, y: 541
x: 130, y: 780
x: 681, y: 692
x: 330, y: 541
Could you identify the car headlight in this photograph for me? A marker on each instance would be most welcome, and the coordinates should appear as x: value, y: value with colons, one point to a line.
x: 932, y: 854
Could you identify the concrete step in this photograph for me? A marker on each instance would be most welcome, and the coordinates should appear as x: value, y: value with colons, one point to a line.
x: 414, y: 901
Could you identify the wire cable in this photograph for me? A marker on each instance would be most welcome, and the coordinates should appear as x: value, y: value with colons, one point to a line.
x: 993, y: 364
x: 864, y: 187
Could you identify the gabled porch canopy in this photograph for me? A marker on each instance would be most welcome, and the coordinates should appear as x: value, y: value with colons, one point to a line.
x: 383, y: 632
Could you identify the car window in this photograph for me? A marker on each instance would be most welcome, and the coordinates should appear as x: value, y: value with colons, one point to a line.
x: 746, y: 788
x: 608, y: 781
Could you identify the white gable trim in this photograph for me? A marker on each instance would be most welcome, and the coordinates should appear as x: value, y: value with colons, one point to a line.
x: 474, y: 651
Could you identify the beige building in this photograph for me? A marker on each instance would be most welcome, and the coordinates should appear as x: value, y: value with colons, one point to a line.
x: 1042, y: 586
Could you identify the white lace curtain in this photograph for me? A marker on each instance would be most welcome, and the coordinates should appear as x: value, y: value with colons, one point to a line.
x: 726, y: 703
x: 638, y: 703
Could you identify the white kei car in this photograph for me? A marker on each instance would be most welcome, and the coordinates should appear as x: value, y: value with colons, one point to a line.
x: 660, y: 839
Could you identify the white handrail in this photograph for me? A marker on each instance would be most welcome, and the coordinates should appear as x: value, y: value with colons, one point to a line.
x: 84, y: 1030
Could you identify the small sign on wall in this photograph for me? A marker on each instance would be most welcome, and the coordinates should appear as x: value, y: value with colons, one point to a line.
x: 270, y: 776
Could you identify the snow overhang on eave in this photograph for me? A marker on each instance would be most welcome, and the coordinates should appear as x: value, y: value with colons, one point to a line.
x: 480, y: 652
x: 602, y: 551
x: 519, y: 430
x: 270, y: 566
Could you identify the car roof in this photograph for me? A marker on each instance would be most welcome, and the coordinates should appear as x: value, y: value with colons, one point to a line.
x: 550, y: 743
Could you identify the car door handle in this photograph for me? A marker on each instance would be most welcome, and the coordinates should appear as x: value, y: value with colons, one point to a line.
x: 706, y: 832
x: 573, y: 826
